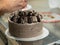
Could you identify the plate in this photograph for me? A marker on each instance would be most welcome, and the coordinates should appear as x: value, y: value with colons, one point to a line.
x: 39, y: 37
x: 50, y: 17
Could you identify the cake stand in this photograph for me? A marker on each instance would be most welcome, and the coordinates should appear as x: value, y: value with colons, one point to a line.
x: 39, y: 37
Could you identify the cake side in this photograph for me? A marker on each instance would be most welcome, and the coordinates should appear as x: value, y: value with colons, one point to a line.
x: 26, y: 24
x: 25, y: 31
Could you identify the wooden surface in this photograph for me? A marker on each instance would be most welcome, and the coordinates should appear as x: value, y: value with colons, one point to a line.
x: 4, y: 39
x: 1, y: 42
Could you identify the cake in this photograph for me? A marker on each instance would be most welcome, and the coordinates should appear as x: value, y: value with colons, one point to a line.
x: 25, y: 24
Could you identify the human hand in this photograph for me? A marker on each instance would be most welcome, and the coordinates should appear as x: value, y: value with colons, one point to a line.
x: 12, y: 5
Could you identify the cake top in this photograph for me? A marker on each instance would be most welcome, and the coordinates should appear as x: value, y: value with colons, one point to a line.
x: 22, y: 17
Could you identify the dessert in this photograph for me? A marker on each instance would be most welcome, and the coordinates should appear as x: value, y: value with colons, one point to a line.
x: 25, y: 24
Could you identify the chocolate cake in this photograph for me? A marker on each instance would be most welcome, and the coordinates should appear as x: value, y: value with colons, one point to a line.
x: 25, y: 24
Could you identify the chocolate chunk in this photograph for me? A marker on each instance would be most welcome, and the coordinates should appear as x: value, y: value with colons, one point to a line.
x: 19, y: 20
x: 22, y: 21
x: 12, y: 18
x: 38, y: 18
x: 29, y: 19
x: 20, y: 13
x: 34, y: 19
x: 26, y: 17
